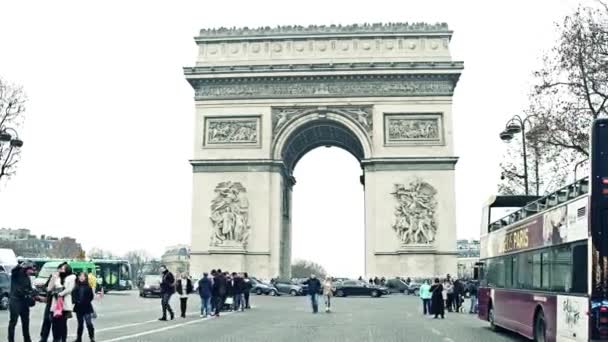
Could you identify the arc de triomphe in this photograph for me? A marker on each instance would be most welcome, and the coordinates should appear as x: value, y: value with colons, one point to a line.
x: 265, y: 97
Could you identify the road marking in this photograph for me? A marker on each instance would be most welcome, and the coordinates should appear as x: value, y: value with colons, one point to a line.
x: 175, y: 326
x: 447, y: 339
x: 408, y: 315
x: 435, y: 331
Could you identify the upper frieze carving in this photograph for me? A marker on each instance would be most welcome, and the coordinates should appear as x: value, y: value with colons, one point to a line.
x: 388, y: 28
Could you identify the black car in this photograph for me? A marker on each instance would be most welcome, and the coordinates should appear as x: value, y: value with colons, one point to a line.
x: 288, y: 287
x: 397, y: 285
x: 150, y: 286
x: 258, y: 287
x: 5, y: 289
x: 358, y: 288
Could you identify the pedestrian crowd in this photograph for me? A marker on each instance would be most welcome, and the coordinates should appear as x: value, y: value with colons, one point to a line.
x: 66, y: 294
x: 447, y: 295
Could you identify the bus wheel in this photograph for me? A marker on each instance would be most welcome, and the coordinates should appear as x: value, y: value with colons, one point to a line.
x: 493, y: 325
x: 540, y: 328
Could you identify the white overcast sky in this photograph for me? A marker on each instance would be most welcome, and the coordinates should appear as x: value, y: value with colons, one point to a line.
x: 108, y: 131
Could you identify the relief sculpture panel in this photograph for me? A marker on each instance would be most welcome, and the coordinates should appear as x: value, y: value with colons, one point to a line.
x: 232, y: 131
x: 413, y: 129
x: 415, y: 221
x: 230, y: 215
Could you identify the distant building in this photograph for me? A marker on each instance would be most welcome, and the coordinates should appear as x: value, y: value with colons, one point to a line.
x: 28, y: 245
x: 177, y: 258
x: 468, y: 255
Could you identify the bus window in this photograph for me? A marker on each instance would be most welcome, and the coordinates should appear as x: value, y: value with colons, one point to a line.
x: 524, y: 276
x: 536, y: 270
x: 579, y: 267
x: 508, y: 272
x: 561, y: 269
x: 545, y: 270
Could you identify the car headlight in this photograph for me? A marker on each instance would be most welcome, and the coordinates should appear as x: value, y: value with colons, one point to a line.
x: 146, y: 287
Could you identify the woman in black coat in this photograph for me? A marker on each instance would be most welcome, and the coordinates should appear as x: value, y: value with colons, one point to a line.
x: 82, y: 296
x: 437, y: 305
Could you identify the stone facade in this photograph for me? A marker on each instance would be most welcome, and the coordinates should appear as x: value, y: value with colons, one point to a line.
x: 265, y: 97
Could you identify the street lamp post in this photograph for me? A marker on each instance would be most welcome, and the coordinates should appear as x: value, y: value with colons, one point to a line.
x: 9, y: 136
x: 514, y: 126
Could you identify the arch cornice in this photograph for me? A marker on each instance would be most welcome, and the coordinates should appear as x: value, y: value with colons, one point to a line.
x: 307, y: 117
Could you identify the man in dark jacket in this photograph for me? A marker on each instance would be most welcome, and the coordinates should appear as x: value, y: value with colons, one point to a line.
x: 204, y: 291
x: 314, y: 286
x: 248, y: 287
x: 219, y: 291
x: 20, y: 299
x: 458, y: 293
x: 167, y: 289
x: 238, y: 285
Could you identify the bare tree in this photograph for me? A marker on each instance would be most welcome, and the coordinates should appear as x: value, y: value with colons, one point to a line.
x: 571, y: 90
x: 12, y: 108
x: 137, y: 259
x: 304, y: 268
x: 67, y: 248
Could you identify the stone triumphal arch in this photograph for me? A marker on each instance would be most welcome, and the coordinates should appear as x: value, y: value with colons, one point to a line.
x: 265, y: 97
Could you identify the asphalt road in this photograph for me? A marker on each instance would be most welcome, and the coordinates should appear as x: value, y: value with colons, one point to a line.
x: 126, y: 317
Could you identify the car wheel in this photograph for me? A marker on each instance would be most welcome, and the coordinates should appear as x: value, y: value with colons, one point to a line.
x: 375, y: 293
x: 416, y: 292
x: 258, y: 292
x: 540, y: 327
x: 4, y: 303
x: 293, y: 293
x: 340, y: 293
x: 272, y: 293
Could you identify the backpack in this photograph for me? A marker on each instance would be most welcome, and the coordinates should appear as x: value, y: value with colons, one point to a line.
x: 92, y: 281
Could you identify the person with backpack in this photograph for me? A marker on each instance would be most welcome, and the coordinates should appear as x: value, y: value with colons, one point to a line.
x: 167, y: 289
x: 204, y: 291
x: 21, y: 298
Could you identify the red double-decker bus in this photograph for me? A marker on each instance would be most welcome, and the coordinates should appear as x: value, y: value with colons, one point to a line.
x: 543, y: 269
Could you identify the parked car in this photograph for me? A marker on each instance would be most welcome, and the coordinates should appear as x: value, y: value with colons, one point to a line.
x: 358, y: 288
x: 396, y: 285
x: 413, y: 289
x: 5, y: 289
x: 150, y: 286
x: 260, y: 288
x: 288, y: 287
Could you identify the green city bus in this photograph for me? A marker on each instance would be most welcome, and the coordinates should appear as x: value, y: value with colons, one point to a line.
x: 113, y: 275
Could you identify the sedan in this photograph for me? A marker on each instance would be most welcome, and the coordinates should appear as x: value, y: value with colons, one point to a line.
x: 150, y: 286
x: 288, y: 287
x: 358, y: 288
x: 260, y: 288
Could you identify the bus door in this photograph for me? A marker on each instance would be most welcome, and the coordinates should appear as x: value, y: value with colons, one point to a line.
x: 598, y: 232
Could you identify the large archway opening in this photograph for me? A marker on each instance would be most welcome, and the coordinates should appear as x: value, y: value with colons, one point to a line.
x: 327, y: 220
x: 328, y: 212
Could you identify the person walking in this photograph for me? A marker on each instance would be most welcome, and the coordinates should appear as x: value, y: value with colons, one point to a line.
x: 314, y: 285
x: 437, y: 301
x: 184, y: 288
x: 219, y: 291
x: 82, y: 296
x: 328, y: 292
x: 61, y: 287
x: 204, y: 291
x: 239, y: 290
x: 447, y: 285
x: 473, y: 297
x: 167, y: 289
x: 213, y: 299
x: 248, y: 287
x: 425, y: 295
x: 458, y: 294
x: 21, y: 298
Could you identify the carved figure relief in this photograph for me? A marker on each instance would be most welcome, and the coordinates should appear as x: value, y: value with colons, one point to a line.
x: 230, y: 215
x: 231, y: 131
x: 361, y: 115
x: 408, y: 128
x: 415, y: 221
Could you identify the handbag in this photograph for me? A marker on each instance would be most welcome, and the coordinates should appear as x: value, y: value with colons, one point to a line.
x: 58, y: 308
